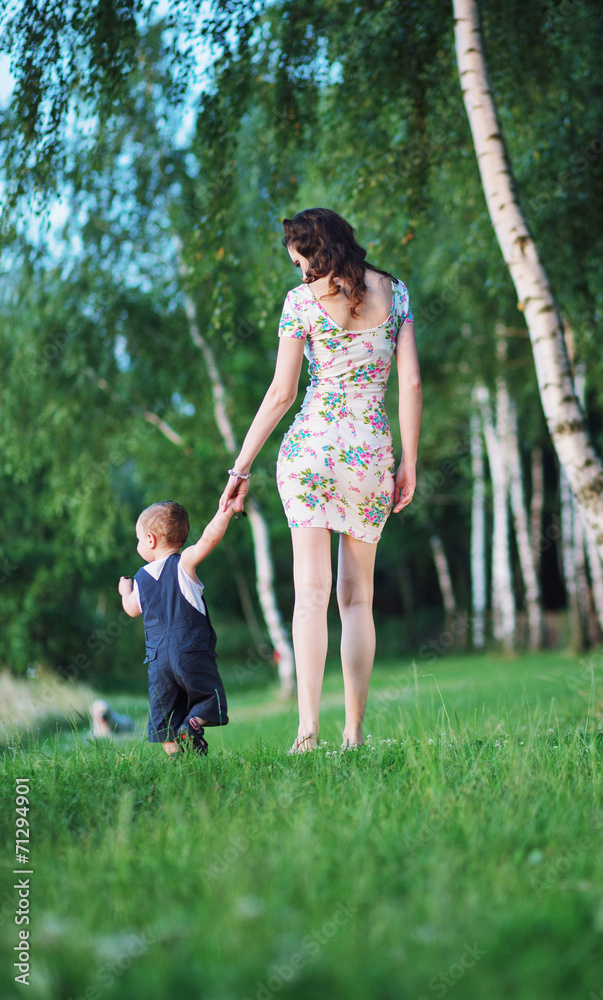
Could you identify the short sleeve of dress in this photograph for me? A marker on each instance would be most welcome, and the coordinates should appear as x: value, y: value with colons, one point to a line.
x: 406, y: 315
x: 294, y: 319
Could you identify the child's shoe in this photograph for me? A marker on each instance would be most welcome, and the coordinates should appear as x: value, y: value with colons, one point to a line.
x: 191, y: 735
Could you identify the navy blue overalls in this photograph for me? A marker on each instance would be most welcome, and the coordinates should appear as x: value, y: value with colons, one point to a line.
x: 180, y: 643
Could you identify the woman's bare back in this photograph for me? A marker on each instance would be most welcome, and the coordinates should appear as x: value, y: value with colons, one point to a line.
x: 373, y: 310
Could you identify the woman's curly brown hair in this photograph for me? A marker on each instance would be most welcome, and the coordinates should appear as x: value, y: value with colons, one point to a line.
x: 327, y: 241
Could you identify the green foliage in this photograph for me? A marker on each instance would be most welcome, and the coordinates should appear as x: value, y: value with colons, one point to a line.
x: 66, y: 58
x: 348, y: 104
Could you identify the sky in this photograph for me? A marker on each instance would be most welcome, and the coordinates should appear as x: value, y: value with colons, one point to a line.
x: 6, y: 80
x: 59, y: 209
x: 160, y: 9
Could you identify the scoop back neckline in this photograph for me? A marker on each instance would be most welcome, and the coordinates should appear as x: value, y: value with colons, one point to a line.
x: 370, y: 329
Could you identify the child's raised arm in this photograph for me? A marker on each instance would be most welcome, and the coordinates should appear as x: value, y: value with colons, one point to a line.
x: 192, y: 555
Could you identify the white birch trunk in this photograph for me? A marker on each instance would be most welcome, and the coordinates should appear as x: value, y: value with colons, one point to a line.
x: 478, y: 534
x: 443, y: 573
x: 595, y: 566
x: 525, y: 550
x: 596, y: 572
x: 536, y: 506
x: 562, y: 410
x: 259, y: 531
x: 501, y: 507
x: 503, y: 600
x: 568, y: 557
x: 265, y: 586
x: 584, y: 599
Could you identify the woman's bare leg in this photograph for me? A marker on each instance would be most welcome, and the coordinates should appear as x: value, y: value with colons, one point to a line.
x: 312, y: 577
x: 355, y: 576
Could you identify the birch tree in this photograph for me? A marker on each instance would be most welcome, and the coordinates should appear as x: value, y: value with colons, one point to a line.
x: 596, y: 572
x: 536, y: 505
x: 525, y: 550
x: 562, y: 410
x: 443, y: 573
x: 478, y: 532
x: 578, y: 544
x: 569, y: 563
x: 588, y: 539
x: 503, y: 599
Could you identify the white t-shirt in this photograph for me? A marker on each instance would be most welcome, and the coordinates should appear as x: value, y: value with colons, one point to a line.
x: 191, y: 590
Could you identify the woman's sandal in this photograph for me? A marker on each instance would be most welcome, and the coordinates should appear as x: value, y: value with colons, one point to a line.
x: 304, y: 744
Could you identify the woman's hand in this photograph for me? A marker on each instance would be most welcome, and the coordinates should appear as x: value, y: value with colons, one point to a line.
x: 405, y: 485
x: 236, y: 489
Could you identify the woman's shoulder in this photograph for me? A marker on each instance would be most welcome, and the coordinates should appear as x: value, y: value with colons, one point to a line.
x: 296, y: 318
x: 299, y: 299
x: 401, y: 299
x: 398, y: 284
x: 298, y: 294
x: 383, y: 281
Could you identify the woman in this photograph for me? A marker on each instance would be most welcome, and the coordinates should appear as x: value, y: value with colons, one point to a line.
x: 335, y: 468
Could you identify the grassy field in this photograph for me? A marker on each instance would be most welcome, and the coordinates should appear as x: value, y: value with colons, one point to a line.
x: 458, y: 854
x: 37, y: 704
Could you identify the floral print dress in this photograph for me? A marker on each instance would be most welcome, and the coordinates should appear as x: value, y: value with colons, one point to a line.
x: 335, y: 467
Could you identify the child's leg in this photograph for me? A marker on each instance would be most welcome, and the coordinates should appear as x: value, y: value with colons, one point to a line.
x: 198, y: 676
x: 206, y: 698
x: 173, y: 746
x: 167, y: 703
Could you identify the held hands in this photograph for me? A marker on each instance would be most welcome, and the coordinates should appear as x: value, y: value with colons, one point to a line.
x: 236, y: 491
x: 125, y: 586
x: 405, y: 485
x: 231, y: 508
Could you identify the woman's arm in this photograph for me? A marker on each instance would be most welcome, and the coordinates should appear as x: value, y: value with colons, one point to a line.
x: 279, y: 398
x: 410, y: 407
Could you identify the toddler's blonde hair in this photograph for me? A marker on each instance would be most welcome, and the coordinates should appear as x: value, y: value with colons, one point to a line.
x: 168, y: 520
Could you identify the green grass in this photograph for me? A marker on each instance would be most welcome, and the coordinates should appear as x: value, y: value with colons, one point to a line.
x: 458, y: 854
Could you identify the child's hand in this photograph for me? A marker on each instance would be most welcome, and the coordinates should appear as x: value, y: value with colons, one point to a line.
x: 233, y: 506
x: 236, y: 489
x: 126, y: 586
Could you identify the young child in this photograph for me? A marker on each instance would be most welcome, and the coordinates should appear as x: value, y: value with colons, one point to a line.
x: 185, y: 689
